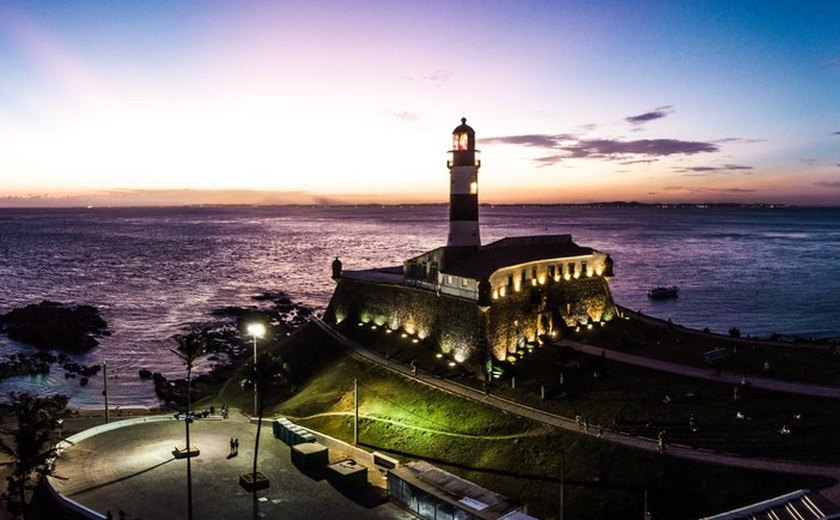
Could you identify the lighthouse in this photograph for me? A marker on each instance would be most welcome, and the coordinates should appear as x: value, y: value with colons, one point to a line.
x: 463, y: 164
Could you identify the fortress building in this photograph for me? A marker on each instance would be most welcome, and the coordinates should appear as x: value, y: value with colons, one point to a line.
x: 479, y: 304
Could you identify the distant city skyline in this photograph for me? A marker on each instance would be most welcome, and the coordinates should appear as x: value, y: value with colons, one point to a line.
x: 169, y: 103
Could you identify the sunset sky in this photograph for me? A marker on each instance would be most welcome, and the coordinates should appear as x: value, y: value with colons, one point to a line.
x: 174, y: 102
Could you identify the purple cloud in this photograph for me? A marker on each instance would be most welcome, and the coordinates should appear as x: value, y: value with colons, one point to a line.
x: 408, y: 117
x: 536, y: 140
x: 742, y: 140
x: 437, y: 78
x: 639, y: 161
x: 828, y: 184
x: 656, y: 113
x: 616, y: 149
x: 569, y: 146
x: 703, y: 171
x: 701, y: 190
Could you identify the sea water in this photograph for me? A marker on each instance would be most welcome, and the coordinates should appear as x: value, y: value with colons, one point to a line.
x: 156, y: 272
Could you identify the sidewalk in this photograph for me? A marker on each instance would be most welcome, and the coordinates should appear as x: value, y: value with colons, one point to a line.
x: 732, y: 378
x: 133, y: 469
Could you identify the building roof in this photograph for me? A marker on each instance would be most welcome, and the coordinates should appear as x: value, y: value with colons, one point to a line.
x: 487, y: 259
x: 479, y: 501
x: 463, y: 128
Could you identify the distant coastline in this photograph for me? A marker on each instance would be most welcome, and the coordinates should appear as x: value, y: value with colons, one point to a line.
x: 605, y: 204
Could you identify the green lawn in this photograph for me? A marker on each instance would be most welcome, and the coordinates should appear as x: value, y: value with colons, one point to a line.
x: 514, y: 456
x: 632, y: 399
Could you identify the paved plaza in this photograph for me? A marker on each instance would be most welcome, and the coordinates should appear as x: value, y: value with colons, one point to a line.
x: 133, y: 469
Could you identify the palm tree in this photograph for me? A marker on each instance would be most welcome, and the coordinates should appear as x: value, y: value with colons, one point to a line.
x: 191, y: 347
x: 32, y: 443
x: 269, y: 371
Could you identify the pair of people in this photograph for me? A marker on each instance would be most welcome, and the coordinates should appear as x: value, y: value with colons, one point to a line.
x: 234, y: 446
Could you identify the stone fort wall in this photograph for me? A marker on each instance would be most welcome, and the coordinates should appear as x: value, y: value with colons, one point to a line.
x: 454, y: 325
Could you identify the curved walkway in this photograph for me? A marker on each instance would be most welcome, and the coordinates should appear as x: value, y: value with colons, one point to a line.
x: 765, y: 383
x: 832, y: 493
x: 133, y: 469
x: 647, y: 318
x: 508, y: 436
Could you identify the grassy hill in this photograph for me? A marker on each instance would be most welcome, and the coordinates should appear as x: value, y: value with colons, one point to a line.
x: 510, y: 455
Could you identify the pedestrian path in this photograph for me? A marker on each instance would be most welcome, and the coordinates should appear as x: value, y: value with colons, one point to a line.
x: 732, y: 378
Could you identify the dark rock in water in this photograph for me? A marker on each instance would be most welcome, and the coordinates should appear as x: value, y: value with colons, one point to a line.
x: 145, y: 373
x: 83, y: 381
x: 51, y: 325
x: 21, y: 364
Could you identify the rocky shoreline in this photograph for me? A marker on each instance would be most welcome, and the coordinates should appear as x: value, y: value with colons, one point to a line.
x: 55, y: 326
x: 71, y: 328
x: 228, y: 345
x: 49, y: 326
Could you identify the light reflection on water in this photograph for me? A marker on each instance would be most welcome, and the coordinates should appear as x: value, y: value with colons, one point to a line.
x: 153, y: 272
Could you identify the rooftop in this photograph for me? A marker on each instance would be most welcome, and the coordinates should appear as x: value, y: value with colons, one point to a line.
x: 506, y: 252
x: 453, y: 489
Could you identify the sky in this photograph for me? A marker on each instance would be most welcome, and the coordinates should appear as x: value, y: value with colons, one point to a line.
x: 159, y: 102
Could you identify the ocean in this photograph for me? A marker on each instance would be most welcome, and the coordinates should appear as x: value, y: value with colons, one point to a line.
x: 156, y: 272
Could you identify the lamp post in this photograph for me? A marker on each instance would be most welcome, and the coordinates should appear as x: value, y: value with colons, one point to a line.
x: 255, y: 330
x: 562, y: 484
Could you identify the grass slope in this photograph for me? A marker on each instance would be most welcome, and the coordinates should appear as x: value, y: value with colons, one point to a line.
x: 510, y: 455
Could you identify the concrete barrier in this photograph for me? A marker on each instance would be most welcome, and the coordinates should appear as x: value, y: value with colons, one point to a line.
x: 73, y: 506
x: 96, y: 430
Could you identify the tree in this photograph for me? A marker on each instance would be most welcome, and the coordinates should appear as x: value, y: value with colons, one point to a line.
x: 269, y: 372
x: 31, y: 443
x: 191, y: 347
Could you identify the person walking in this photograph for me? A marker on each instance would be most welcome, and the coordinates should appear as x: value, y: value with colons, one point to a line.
x: 236, y: 446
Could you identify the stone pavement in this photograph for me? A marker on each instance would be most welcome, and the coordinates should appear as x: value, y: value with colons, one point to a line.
x: 133, y: 469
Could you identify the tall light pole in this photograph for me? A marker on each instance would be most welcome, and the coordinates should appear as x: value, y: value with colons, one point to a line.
x: 256, y: 330
x: 562, y: 484
x: 105, y: 393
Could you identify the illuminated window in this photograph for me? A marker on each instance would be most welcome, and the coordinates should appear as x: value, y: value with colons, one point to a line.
x: 460, y: 141
x: 550, y: 272
x: 473, y: 188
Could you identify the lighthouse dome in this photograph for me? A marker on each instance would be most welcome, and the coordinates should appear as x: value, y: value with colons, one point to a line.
x: 463, y: 128
x: 463, y: 137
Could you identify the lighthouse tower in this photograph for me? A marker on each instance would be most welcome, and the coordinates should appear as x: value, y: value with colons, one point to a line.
x: 463, y: 167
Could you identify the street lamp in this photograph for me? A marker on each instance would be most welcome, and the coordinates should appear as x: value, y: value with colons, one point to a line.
x: 255, y: 330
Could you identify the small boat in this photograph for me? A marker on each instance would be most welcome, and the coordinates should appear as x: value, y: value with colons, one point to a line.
x: 659, y: 293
